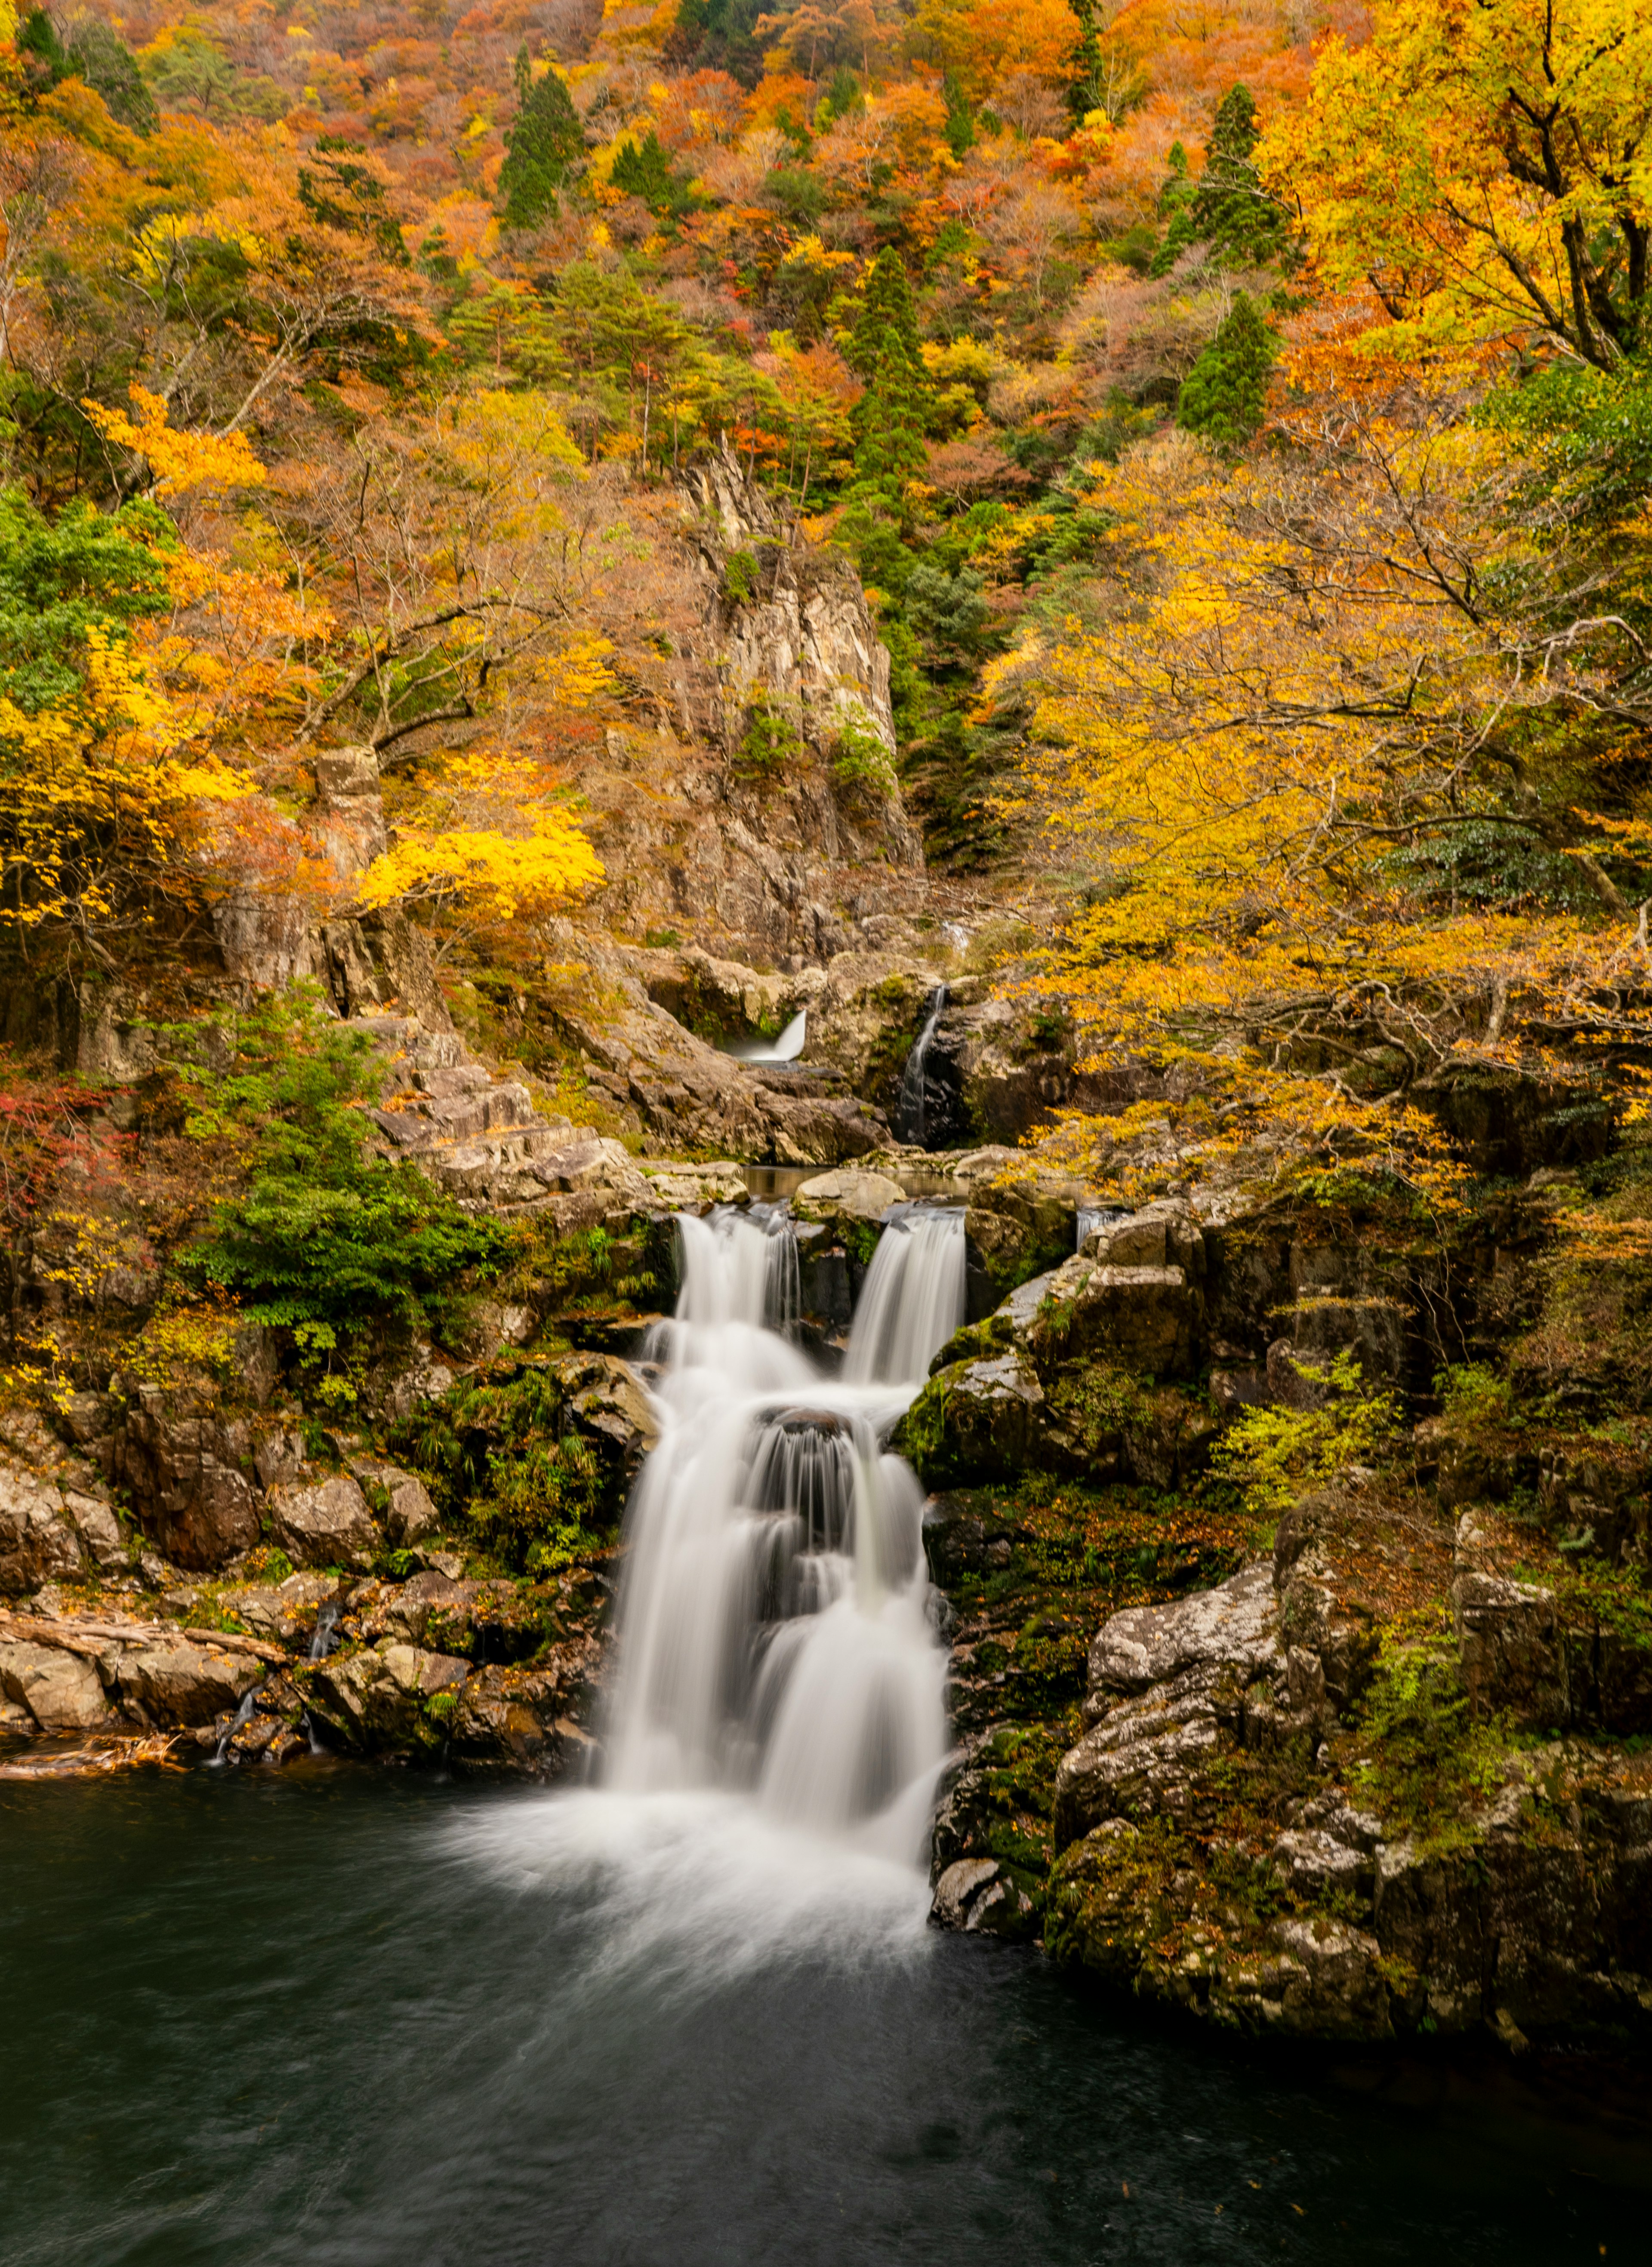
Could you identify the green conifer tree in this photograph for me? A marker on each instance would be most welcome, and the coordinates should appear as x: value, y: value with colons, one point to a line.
x: 1231, y: 211
x: 885, y: 351
x: 1176, y: 209
x: 1085, y: 86
x: 543, y: 146
x: 1226, y: 392
x: 644, y: 170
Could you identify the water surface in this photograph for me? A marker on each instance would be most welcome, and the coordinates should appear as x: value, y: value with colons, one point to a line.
x: 333, y: 2017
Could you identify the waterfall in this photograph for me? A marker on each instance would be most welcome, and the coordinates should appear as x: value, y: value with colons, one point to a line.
x: 910, y: 1112
x: 1090, y: 1217
x: 786, y: 1048
x: 911, y: 1300
x: 241, y: 1716
x: 775, y: 1633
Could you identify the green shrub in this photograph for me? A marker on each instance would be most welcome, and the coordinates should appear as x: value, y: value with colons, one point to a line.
x: 740, y: 577
x: 1427, y: 1763
x: 528, y: 1490
x: 771, y: 741
x: 326, y: 1242
x: 1473, y: 1396
x: 1276, y: 1455
x: 861, y: 766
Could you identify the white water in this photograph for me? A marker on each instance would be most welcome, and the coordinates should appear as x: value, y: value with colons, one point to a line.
x: 911, y: 1110
x: 786, y: 1048
x: 912, y: 1301
x: 775, y: 1635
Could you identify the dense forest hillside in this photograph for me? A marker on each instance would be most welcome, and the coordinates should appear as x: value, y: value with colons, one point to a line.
x: 544, y: 545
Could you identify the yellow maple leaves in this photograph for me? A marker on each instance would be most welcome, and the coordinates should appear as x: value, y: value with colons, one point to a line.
x: 504, y: 874
x: 178, y: 460
x: 1487, y: 163
x: 1292, y: 700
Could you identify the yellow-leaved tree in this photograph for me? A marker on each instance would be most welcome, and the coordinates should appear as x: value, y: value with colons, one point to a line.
x: 1322, y: 765
x: 1486, y: 165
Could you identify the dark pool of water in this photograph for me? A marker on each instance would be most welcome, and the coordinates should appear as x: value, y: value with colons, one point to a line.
x: 333, y: 2018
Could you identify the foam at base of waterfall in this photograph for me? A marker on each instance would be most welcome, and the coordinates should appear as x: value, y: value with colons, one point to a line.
x: 691, y: 1889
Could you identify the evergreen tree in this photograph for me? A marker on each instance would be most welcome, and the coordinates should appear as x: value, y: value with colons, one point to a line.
x: 885, y: 351
x: 960, y: 119
x: 1231, y: 211
x: 543, y: 146
x: 1227, y: 211
x: 1083, y: 59
x: 643, y: 169
x: 1176, y: 209
x: 341, y: 194
x: 1226, y: 391
x: 716, y: 35
x: 884, y: 348
x: 97, y: 57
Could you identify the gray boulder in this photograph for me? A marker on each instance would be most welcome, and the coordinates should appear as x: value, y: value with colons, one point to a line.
x: 62, y: 1691
x: 385, y: 1698
x: 409, y: 1515
x: 326, y: 1523
x: 183, y: 1683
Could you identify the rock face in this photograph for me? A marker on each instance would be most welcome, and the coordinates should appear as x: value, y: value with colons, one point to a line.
x: 790, y: 623
x: 185, y: 1465
x: 56, y: 1521
x: 1326, y: 1919
x: 680, y: 1092
x: 326, y: 1523
x: 37, y: 1543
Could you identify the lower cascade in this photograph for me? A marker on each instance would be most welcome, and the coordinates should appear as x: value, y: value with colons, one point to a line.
x: 774, y: 1631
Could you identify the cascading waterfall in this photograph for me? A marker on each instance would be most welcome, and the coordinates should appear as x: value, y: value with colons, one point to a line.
x: 910, y: 1116
x: 774, y: 1627
x: 911, y: 1300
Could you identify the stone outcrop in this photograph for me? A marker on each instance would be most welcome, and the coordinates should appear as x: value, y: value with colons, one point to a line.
x: 323, y: 1523
x: 1327, y: 1918
x: 788, y: 623
x: 178, y: 1683
x: 185, y: 1463
x: 498, y: 1675
x: 679, y: 1092
x: 38, y: 1542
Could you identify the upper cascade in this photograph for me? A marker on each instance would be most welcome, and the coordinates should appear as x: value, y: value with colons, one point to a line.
x: 912, y: 1299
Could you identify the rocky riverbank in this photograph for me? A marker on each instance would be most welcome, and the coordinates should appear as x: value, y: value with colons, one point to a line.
x: 1387, y: 1779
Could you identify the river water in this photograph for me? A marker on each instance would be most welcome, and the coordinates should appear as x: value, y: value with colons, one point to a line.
x: 693, y: 2014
